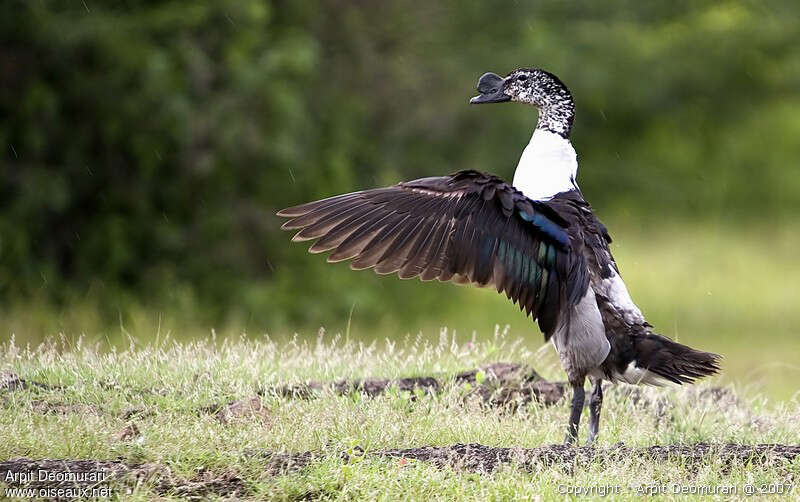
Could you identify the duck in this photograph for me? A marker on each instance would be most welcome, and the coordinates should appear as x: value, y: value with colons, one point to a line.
x: 536, y: 240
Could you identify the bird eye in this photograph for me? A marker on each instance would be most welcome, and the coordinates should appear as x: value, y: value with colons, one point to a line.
x: 522, y: 78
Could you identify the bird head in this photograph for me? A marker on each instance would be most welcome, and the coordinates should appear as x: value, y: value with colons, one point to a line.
x: 527, y: 85
x: 535, y: 87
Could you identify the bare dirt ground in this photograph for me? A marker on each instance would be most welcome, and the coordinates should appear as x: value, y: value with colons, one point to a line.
x: 501, y: 383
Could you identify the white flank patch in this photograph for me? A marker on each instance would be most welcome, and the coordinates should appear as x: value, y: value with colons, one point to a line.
x: 636, y: 376
x: 548, y: 166
x: 615, y: 290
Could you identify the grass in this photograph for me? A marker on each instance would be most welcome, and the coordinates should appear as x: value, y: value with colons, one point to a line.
x: 169, y: 381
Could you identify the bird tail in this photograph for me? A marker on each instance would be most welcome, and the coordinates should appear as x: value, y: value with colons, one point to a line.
x: 658, y: 356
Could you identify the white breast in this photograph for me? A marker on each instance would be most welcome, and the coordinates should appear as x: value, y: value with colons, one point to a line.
x: 548, y: 166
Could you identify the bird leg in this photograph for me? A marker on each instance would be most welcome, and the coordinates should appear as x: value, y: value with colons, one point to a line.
x: 575, y: 413
x: 595, y: 404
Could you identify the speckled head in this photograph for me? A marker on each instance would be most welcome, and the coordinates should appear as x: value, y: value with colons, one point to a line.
x: 535, y: 87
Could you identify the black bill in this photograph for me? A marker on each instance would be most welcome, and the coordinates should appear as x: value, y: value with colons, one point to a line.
x: 490, y: 87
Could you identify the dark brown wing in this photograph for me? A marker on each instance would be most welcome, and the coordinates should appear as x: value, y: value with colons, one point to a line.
x: 469, y: 227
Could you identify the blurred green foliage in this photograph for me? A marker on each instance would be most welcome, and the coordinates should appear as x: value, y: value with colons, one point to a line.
x: 147, y: 145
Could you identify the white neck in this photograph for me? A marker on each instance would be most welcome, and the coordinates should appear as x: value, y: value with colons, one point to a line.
x: 548, y: 166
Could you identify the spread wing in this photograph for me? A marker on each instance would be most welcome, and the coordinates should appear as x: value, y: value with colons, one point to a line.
x: 469, y: 227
